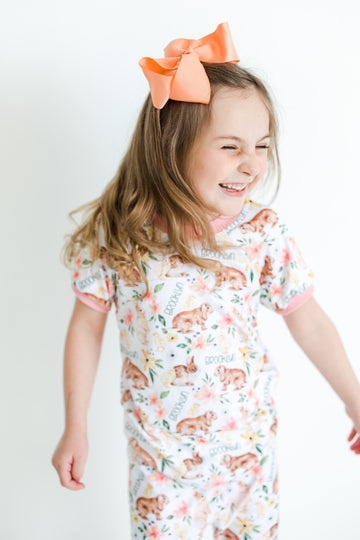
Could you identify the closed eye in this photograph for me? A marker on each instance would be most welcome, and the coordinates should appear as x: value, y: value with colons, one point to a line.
x: 263, y: 146
x: 229, y: 147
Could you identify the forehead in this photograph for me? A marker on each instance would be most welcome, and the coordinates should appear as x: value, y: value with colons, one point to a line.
x: 238, y: 109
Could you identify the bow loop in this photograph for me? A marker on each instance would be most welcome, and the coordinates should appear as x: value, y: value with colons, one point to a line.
x: 180, y: 75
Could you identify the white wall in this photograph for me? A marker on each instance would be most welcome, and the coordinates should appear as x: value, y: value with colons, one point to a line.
x: 70, y: 93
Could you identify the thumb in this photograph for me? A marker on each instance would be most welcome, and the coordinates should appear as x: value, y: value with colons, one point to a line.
x: 78, y: 467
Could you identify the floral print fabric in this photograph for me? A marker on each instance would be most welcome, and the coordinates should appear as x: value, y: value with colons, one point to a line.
x: 198, y: 385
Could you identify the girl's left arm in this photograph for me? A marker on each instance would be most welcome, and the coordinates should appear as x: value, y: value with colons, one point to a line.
x: 318, y: 337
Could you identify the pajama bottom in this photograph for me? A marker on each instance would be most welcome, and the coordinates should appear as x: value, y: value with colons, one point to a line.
x: 234, y: 489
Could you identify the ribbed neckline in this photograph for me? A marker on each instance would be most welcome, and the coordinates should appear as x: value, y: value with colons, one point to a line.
x: 218, y: 224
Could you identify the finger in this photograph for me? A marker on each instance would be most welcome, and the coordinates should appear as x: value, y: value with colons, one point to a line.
x: 356, y: 445
x: 352, y: 434
x: 78, y: 469
x: 66, y: 478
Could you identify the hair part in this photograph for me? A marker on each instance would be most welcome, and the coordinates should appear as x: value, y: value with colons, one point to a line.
x: 151, y: 178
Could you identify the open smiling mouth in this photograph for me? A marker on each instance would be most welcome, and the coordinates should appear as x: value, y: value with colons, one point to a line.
x: 233, y: 188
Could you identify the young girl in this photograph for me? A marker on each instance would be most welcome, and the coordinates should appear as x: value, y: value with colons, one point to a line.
x: 187, y: 257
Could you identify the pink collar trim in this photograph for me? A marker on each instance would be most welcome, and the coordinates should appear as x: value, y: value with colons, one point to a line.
x: 218, y: 224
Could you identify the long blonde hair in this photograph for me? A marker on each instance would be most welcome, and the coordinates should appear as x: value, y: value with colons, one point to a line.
x: 152, y: 178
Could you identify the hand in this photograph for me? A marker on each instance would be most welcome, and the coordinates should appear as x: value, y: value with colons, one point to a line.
x: 355, y: 417
x: 70, y: 457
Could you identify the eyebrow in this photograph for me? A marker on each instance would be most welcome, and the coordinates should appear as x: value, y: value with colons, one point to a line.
x: 234, y: 137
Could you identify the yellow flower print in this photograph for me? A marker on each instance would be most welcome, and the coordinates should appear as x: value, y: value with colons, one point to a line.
x: 225, y: 437
x: 148, y: 361
x: 260, y: 416
x: 100, y: 292
x: 145, y: 257
x: 181, y: 531
x: 224, y: 341
x: 190, y: 302
x: 250, y: 438
x: 194, y: 410
x: 168, y: 377
x: 172, y: 337
x: 245, y: 525
x: 159, y: 342
x: 245, y: 352
x: 135, y: 517
x: 260, y: 509
x: 271, y: 502
x: 148, y: 491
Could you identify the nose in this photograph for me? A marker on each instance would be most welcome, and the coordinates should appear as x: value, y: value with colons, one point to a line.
x: 249, y: 164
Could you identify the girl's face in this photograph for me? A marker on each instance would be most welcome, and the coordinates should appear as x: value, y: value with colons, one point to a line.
x: 230, y: 156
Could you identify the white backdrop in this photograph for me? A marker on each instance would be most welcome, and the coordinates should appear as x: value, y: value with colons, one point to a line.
x: 70, y: 94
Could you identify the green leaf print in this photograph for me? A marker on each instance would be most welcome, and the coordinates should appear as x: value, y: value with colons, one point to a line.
x: 256, y: 383
x: 166, y: 462
x: 162, y: 320
x: 166, y: 425
x: 258, y: 448
x: 251, y: 275
x: 158, y: 287
x: 256, y: 292
x: 215, y: 326
x: 263, y: 460
x: 265, y: 489
x: 163, y: 395
x: 144, y: 267
x: 86, y: 262
x: 170, y: 517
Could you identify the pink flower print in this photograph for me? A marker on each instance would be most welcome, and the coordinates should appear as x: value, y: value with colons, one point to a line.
x: 226, y: 321
x: 155, y: 307
x: 275, y: 290
x: 286, y: 257
x: 76, y: 274
x: 160, y: 478
x: 216, y: 483
x: 182, y: 511
x: 154, y: 532
x: 254, y: 250
x: 252, y: 395
x: 260, y: 478
x: 161, y: 412
x: 247, y: 302
x: 149, y: 296
x: 128, y: 317
x: 154, y: 399
x: 230, y: 424
x: 201, y: 286
x: 207, y: 394
x: 199, y: 343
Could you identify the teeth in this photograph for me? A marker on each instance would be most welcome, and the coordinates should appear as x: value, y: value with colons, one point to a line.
x: 232, y: 186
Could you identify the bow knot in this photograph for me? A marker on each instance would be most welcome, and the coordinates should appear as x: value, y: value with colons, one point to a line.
x: 181, y: 75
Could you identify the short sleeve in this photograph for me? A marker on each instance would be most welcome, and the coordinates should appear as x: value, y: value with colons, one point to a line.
x: 93, y: 282
x: 286, y: 280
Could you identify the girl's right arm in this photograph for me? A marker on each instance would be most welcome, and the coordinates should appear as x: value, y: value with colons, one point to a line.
x: 81, y: 357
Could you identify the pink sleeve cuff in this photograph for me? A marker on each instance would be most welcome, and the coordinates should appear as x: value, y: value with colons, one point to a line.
x: 90, y: 301
x: 298, y: 300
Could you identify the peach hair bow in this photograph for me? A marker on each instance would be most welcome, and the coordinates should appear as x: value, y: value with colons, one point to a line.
x: 180, y: 75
